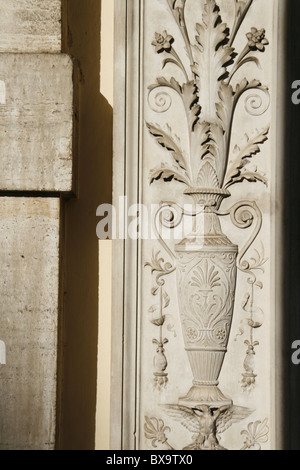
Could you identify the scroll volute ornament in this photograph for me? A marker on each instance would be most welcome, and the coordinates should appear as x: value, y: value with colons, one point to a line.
x: 210, y: 164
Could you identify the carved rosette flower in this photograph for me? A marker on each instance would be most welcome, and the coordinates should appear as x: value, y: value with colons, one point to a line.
x: 221, y: 334
x: 257, y: 39
x: 163, y: 42
x: 192, y: 334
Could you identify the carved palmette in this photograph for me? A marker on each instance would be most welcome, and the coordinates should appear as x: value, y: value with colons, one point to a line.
x: 208, y: 281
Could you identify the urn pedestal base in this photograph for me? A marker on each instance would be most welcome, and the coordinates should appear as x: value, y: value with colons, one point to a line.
x: 209, y: 395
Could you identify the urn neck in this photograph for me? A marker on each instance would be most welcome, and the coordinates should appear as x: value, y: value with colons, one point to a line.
x: 207, y: 230
x: 209, y: 199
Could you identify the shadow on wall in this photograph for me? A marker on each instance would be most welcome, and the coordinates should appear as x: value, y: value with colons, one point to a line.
x: 79, y: 259
x: 291, y: 249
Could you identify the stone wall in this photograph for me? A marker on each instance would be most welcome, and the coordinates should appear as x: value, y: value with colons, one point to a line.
x: 36, y: 116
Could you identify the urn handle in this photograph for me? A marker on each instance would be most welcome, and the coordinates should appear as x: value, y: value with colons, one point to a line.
x: 243, y: 215
x: 169, y: 216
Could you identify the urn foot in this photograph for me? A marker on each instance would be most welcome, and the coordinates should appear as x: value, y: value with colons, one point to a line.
x: 209, y: 395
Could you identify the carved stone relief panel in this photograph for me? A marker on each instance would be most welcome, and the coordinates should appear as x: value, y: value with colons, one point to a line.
x: 203, y: 311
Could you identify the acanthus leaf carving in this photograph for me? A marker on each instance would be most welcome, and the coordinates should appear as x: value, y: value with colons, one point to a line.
x: 211, y: 56
x: 179, y: 169
x: 166, y: 140
x: 188, y: 94
x: 242, y: 156
x: 209, y: 98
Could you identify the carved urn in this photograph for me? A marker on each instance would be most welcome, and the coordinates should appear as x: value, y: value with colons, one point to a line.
x: 208, y: 92
x: 206, y: 278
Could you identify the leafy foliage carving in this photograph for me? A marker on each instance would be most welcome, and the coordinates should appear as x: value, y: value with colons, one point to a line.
x: 210, y: 95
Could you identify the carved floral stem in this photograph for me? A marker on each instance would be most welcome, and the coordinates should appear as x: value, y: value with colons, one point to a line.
x: 177, y: 58
x: 251, y: 311
x: 161, y: 314
x: 161, y: 270
x: 239, y: 63
x: 249, y: 377
x: 239, y: 18
x: 179, y: 16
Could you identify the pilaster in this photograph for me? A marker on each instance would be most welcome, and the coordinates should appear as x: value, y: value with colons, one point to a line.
x: 198, y: 87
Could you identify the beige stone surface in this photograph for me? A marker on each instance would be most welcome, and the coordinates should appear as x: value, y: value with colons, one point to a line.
x: 30, y: 25
x: 36, y: 122
x: 78, y: 378
x: 29, y: 268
